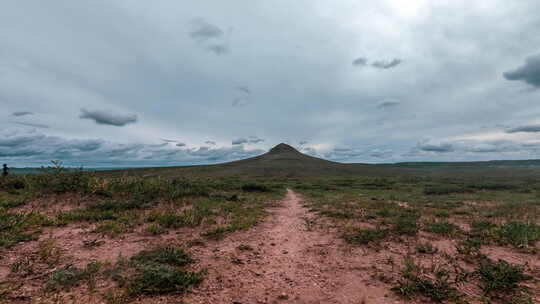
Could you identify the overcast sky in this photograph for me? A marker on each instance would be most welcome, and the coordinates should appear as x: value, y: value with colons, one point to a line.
x: 117, y: 83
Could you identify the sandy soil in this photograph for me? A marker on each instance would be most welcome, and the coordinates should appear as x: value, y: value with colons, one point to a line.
x: 286, y: 263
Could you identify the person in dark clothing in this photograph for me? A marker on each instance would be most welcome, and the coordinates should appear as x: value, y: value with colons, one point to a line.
x: 5, y: 170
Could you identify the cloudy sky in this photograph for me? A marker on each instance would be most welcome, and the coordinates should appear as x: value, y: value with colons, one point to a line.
x: 128, y: 82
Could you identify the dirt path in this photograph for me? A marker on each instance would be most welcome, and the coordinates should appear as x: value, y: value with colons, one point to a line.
x: 283, y: 262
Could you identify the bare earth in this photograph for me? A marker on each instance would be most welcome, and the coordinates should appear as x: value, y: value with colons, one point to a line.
x: 287, y: 263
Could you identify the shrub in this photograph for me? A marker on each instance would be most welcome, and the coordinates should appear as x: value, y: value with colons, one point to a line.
x: 500, y: 279
x: 406, y: 225
x: 442, y: 227
x: 366, y: 236
x: 253, y: 187
x: 413, y: 282
x: 154, y: 279
x: 426, y: 248
x: 71, y: 276
x: 519, y: 234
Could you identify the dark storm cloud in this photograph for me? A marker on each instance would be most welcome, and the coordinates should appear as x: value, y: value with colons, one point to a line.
x: 249, y: 140
x: 35, y: 147
x: 169, y: 140
x: 103, y: 117
x: 388, y: 103
x: 239, y: 141
x: 440, y: 147
x: 529, y: 72
x: 381, y: 64
x: 244, y: 89
x: 29, y: 124
x: 361, y: 61
x: 203, y: 30
x: 477, y: 147
x: 527, y: 128
x: 22, y: 113
x: 218, y: 49
x: 180, y: 144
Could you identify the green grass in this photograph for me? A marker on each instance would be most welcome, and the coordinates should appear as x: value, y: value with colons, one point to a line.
x: 442, y: 227
x: 500, y: 279
x: 70, y: 276
x: 367, y: 236
x: 519, y: 234
x: 155, y: 279
x: 438, y: 287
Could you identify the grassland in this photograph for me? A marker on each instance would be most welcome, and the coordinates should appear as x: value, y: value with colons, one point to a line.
x: 119, y: 237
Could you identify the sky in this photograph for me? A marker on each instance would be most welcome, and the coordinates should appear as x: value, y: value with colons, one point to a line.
x: 149, y: 83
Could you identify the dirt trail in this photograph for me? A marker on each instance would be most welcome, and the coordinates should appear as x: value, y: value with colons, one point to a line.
x: 287, y: 264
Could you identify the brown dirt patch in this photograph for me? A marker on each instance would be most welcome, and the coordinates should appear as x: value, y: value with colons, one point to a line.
x: 289, y: 264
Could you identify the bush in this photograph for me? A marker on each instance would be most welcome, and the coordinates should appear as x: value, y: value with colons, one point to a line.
x: 71, y: 276
x: 443, y: 227
x: 413, y: 282
x: 519, y: 234
x: 500, y: 279
x: 253, y: 187
x: 154, y: 279
x: 366, y: 236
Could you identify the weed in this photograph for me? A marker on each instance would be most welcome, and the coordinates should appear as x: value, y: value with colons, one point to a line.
x: 367, y: 236
x: 253, y: 187
x: 71, y: 276
x: 406, y: 225
x: 244, y: 247
x: 500, y: 279
x: 49, y: 252
x: 426, y: 248
x: 442, y: 227
x: 217, y: 232
x: 155, y: 229
x: 519, y: 234
x: 12, y: 203
x: 413, y: 282
x: 153, y: 279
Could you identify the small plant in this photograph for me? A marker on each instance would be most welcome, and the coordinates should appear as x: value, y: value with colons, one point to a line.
x: 23, y: 266
x: 111, y: 228
x: 500, y: 279
x: 426, y: 248
x: 49, y: 252
x: 154, y: 279
x: 519, y: 234
x: 414, y: 282
x: 442, y: 227
x: 406, y: 225
x: 12, y: 203
x: 71, y: 276
x: 244, y: 247
x: 156, y: 229
x: 253, y: 187
x: 470, y: 247
x: 216, y: 233
x: 367, y: 236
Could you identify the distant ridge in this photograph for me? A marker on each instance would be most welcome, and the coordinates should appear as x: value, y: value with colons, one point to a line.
x: 284, y: 161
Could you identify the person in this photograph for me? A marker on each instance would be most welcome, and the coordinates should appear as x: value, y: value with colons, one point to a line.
x: 5, y: 170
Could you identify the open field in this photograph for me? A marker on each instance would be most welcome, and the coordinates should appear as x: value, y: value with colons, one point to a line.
x: 137, y: 237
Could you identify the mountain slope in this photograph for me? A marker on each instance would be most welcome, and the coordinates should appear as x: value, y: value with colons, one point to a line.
x: 280, y: 161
